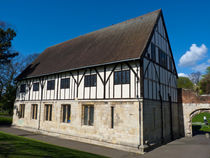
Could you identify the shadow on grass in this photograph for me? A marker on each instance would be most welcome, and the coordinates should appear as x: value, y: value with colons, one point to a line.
x: 15, y: 146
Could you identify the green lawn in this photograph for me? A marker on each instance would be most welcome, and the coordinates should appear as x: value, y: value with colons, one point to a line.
x: 198, y: 122
x: 20, y: 147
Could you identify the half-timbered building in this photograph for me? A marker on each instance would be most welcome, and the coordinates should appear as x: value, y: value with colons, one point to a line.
x: 114, y: 87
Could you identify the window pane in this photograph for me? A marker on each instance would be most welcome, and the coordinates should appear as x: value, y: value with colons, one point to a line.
x: 85, y: 115
x: 65, y: 83
x: 127, y: 77
x: 91, y: 115
x: 50, y: 118
x: 36, y: 112
x: 122, y: 77
x: 35, y: 86
x: 153, y: 52
x: 23, y: 110
x: 64, y: 113
x: 112, y: 117
x: 87, y: 81
x: 46, y: 106
x: 69, y: 114
x: 22, y: 88
x: 93, y: 80
x: 51, y: 85
x: 115, y: 78
x: 90, y: 80
x: 33, y: 111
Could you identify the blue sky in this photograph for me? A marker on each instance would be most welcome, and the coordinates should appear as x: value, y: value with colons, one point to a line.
x: 43, y: 23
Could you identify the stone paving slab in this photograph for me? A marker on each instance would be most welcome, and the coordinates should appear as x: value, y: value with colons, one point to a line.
x: 195, y: 147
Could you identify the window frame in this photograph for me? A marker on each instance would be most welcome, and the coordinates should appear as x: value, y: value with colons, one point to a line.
x: 90, y: 115
x: 23, y: 88
x: 90, y: 80
x: 153, y: 52
x: 119, y: 75
x: 51, y: 86
x: 35, y: 88
x: 34, y: 111
x: 112, y: 116
x: 67, y: 115
x: 48, y: 112
x: 22, y: 111
x: 163, y: 58
x: 65, y: 83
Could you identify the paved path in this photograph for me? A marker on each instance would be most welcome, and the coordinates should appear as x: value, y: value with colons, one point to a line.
x: 195, y: 147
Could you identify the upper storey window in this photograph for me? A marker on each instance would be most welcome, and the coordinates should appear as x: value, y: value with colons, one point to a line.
x: 163, y: 59
x: 65, y: 83
x: 36, y: 86
x: 51, y: 85
x: 170, y: 64
x: 22, y: 88
x: 90, y: 80
x: 153, y: 53
x: 122, y: 77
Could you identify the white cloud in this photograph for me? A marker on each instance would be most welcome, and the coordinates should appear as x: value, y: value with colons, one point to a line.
x: 201, y: 67
x: 182, y: 75
x: 193, y: 55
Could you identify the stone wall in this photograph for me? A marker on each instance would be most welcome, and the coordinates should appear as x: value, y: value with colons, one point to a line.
x: 152, y: 122
x: 124, y: 135
x: 192, y: 104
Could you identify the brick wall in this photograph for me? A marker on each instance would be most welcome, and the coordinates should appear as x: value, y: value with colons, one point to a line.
x: 188, y: 96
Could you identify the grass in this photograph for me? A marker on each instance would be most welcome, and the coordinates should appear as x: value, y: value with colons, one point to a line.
x: 19, y: 147
x: 199, y: 117
x: 198, y: 122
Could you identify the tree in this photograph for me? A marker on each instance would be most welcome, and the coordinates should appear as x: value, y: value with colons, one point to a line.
x: 195, y: 77
x: 205, y: 82
x: 6, y: 37
x: 184, y: 82
x: 9, y: 71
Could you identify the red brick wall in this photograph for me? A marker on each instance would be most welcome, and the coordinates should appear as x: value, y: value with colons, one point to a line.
x: 188, y: 96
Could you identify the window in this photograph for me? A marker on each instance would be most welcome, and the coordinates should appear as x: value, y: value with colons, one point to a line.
x: 153, y: 53
x: 22, y: 88
x: 22, y: 110
x: 66, y: 113
x: 51, y: 85
x: 88, y: 114
x: 112, y: 117
x: 90, y: 80
x: 122, y: 77
x: 34, y: 108
x: 65, y: 83
x: 170, y: 64
x: 48, y: 112
x: 163, y: 58
x: 36, y: 86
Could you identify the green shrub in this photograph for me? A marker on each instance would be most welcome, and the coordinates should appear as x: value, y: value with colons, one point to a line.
x: 5, y: 120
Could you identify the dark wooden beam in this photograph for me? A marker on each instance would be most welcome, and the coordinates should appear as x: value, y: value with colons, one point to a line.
x: 130, y: 67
